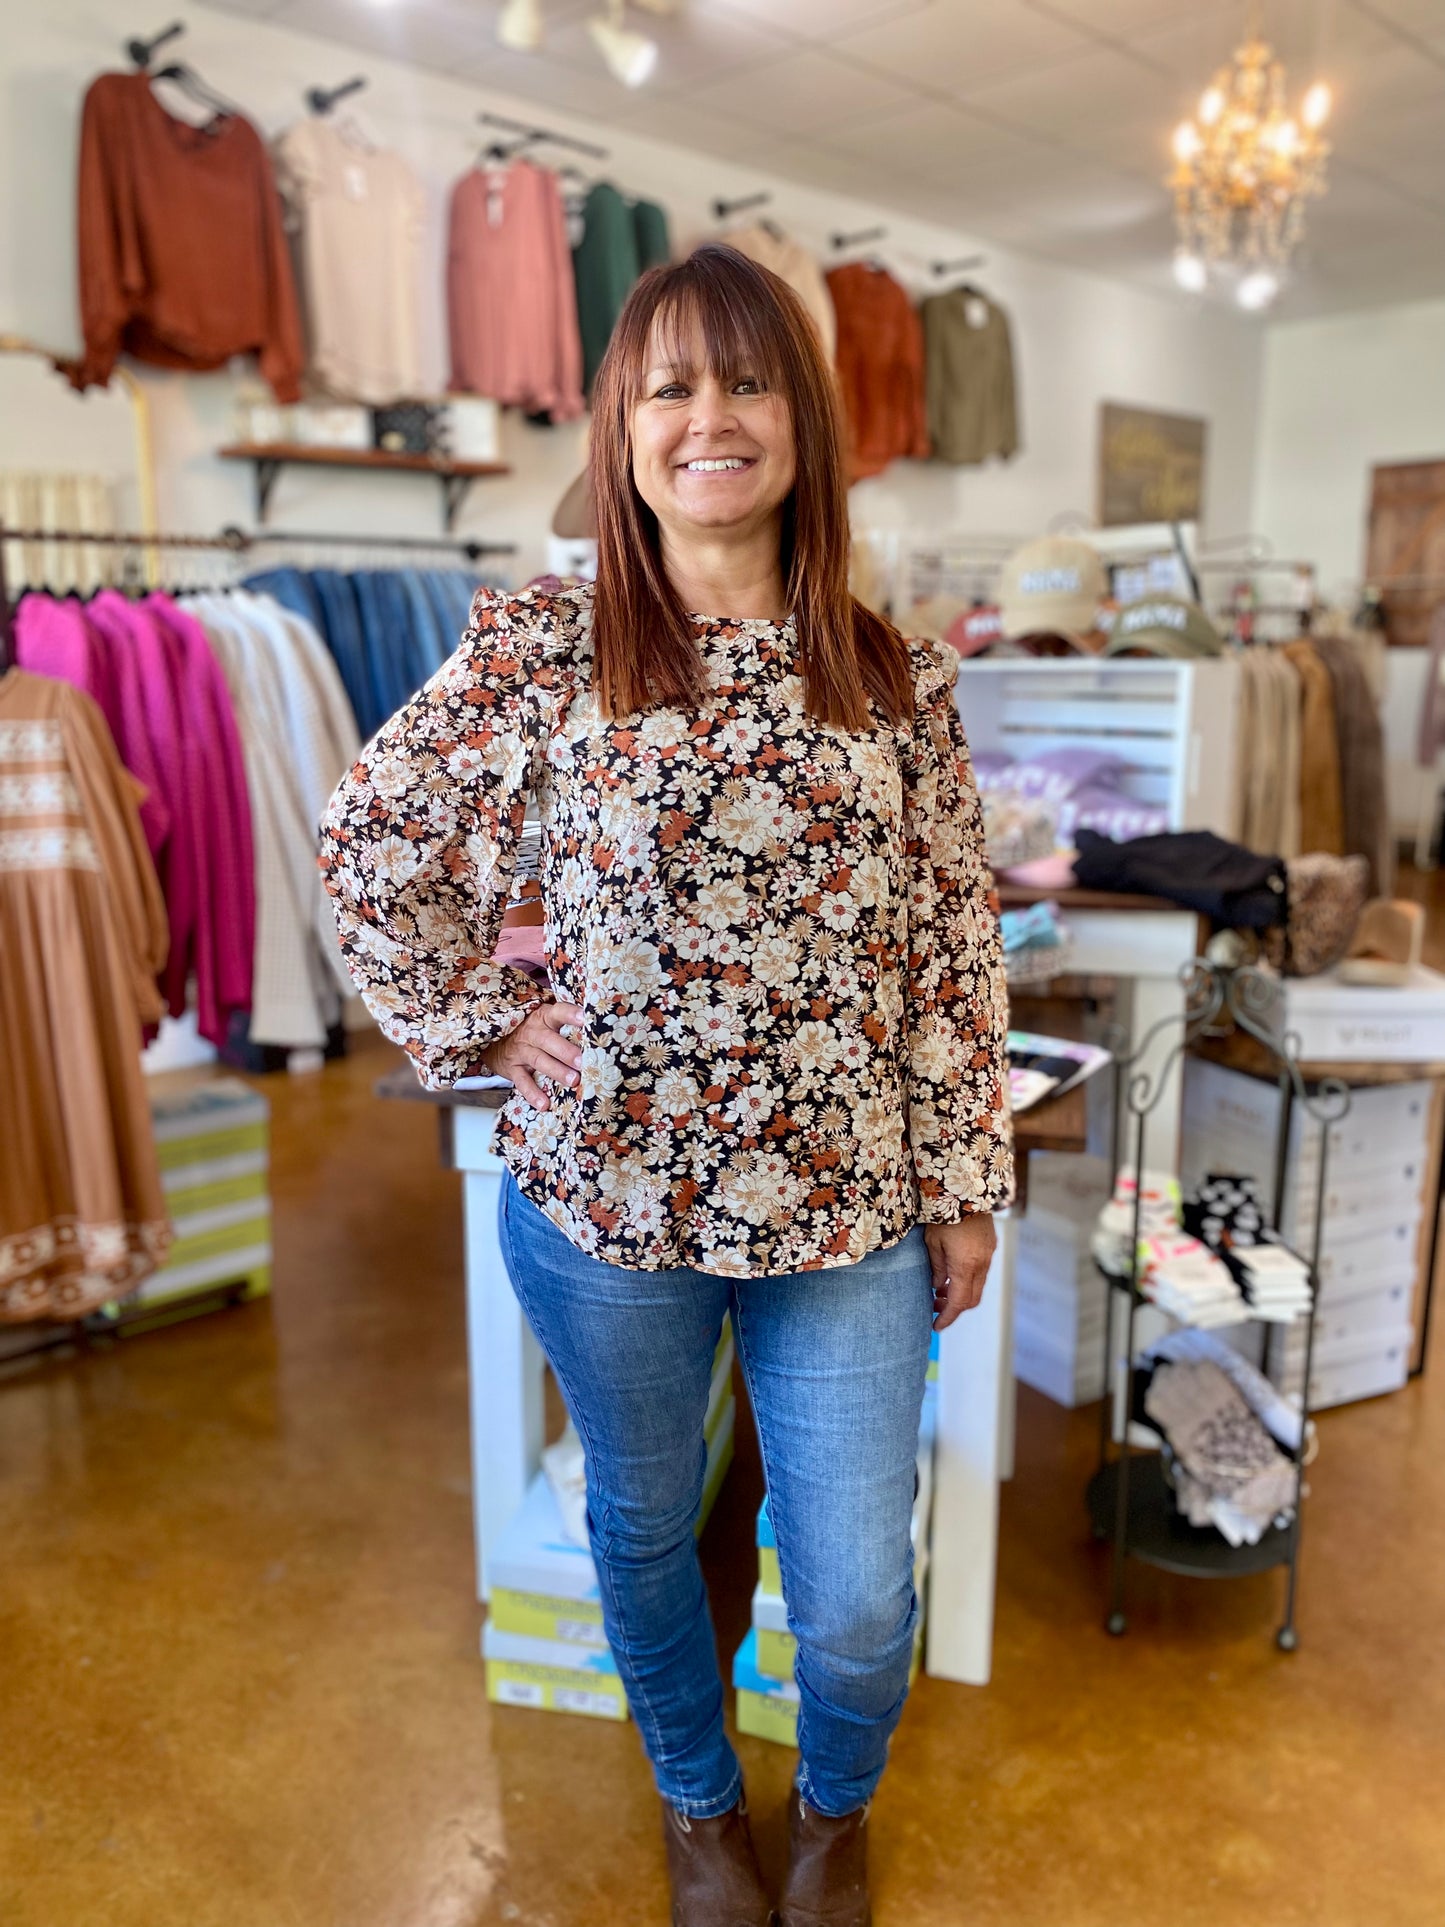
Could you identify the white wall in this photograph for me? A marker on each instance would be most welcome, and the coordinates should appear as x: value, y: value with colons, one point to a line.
x: 1079, y: 339
x: 1339, y: 395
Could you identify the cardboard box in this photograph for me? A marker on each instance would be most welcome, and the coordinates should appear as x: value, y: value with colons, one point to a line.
x: 212, y: 1144
x: 514, y: 1680
x: 1342, y: 1023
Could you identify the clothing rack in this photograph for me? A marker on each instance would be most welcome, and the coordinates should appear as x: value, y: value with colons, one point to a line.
x: 724, y: 210
x: 529, y: 136
x: 856, y: 240
x: 230, y: 541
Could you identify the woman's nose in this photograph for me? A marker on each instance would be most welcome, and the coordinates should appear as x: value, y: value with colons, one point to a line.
x: 713, y: 413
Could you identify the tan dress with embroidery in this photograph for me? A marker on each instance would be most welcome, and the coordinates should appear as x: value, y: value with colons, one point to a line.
x: 82, y: 935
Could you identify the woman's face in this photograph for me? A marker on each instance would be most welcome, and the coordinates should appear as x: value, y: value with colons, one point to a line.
x: 710, y: 456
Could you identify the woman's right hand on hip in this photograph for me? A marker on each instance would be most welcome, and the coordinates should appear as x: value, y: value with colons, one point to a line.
x: 537, y: 1048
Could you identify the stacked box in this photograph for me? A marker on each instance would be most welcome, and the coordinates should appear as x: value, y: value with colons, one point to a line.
x: 1060, y: 1300
x: 1380, y: 1180
x: 212, y: 1141
x: 767, y: 1694
x: 543, y: 1642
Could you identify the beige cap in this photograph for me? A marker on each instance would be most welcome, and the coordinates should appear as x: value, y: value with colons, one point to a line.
x: 1055, y: 586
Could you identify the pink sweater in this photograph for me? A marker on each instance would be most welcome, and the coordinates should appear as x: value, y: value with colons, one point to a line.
x: 511, y: 297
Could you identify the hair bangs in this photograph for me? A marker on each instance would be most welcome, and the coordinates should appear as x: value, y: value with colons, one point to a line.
x: 712, y: 310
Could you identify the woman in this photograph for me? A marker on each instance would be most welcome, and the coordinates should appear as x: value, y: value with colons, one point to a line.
x: 772, y: 1082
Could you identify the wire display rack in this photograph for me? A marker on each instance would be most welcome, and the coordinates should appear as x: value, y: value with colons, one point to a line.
x: 1130, y: 1499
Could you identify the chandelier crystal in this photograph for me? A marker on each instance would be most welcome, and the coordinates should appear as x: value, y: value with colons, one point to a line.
x: 1244, y: 167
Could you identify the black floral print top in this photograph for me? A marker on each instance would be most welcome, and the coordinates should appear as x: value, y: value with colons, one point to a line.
x: 782, y: 935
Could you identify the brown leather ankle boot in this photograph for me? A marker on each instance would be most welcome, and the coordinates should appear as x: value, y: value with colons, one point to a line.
x: 827, y: 1869
x: 714, y: 1870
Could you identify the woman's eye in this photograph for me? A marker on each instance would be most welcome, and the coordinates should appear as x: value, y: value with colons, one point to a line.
x: 674, y: 391
x: 748, y: 385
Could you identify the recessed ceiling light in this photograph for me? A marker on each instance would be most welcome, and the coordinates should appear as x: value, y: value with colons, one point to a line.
x: 1190, y: 271
x: 631, y: 57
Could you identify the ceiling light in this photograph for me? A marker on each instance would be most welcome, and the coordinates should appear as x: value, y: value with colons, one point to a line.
x: 1190, y: 271
x: 631, y: 57
x: 520, y: 26
x: 1258, y: 288
x: 1317, y: 103
x: 1244, y: 169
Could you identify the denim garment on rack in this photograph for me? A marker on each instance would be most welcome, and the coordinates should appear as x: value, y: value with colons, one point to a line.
x: 341, y: 628
x: 835, y: 1365
x: 383, y: 623
x: 430, y: 645
x: 294, y: 590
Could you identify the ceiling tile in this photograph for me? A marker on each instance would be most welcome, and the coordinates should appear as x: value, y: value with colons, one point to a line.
x: 427, y: 35
x: 1123, y: 19
x: 936, y: 142
x: 814, y: 19
x: 1313, y: 41
x: 1054, y: 100
x: 802, y: 93
x: 947, y: 47
x: 694, y: 48
x: 1423, y: 18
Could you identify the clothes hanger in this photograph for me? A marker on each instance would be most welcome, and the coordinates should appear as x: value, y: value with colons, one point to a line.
x: 142, y: 52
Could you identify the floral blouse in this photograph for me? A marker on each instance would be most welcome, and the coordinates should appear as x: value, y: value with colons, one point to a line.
x: 782, y: 935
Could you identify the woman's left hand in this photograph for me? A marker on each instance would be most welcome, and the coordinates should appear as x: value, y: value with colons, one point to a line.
x: 961, y: 1254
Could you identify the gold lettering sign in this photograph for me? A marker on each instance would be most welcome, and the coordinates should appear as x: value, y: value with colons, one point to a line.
x: 1151, y: 466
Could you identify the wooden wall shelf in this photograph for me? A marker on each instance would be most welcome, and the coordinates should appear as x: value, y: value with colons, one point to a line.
x: 269, y: 458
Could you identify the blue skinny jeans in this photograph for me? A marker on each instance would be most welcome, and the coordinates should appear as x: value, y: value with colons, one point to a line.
x: 835, y: 1363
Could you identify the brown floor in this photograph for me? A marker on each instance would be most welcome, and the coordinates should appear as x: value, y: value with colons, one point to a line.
x: 239, y: 1683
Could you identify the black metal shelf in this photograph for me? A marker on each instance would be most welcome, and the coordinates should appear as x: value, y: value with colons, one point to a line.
x: 1130, y: 1500
x: 1159, y: 1535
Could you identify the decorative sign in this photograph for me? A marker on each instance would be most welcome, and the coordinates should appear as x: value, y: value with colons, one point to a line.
x: 1151, y: 466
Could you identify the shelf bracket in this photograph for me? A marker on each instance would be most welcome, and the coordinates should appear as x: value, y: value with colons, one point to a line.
x: 455, y: 489
x: 266, y: 472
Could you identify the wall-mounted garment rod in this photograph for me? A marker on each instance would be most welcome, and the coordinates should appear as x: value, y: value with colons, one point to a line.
x: 143, y: 52
x: 964, y: 265
x: 530, y: 136
x: 230, y: 541
x: 321, y: 100
x: 724, y: 210
x: 856, y: 240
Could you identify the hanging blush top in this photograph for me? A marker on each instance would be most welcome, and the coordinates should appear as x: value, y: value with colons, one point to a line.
x: 358, y: 214
x: 183, y: 260
x: 511, y: 297
x: 880, y: 368
x: 781, y: 934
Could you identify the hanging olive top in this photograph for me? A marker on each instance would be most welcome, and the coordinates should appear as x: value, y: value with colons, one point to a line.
x: 781, y: 934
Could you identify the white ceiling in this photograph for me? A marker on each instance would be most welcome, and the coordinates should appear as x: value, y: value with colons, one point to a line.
x: 1040, y: 124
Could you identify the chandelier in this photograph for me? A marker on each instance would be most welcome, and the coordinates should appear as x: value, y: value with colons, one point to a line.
x: 1244, y: 168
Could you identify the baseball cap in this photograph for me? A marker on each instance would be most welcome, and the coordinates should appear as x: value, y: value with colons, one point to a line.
x: 1164, y: 625
x: 976, y: 630
x: 1053, y: 587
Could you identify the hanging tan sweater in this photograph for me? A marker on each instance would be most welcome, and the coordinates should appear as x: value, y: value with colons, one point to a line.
x: 183, y: 261
x: 82, y: 934
x: 791, y: 262
x: 1322, y: 809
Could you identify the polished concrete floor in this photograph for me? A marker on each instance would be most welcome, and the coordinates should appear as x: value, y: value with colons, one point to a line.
x: 239, y: 1682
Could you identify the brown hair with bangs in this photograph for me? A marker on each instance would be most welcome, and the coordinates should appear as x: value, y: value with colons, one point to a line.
x: 645, y: 646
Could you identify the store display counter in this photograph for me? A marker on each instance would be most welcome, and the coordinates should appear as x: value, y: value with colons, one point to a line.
x: 976, y: 1393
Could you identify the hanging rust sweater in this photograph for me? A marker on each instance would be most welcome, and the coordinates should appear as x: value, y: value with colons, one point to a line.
x: 880, y: 369
x: 183, y: 260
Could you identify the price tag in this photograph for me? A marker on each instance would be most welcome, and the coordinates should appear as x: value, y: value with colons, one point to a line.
x: 581, y: 1632
x: 519, y: 1692
x: 975, y: 311
x: 570, y: 1699
x: 355, y: 178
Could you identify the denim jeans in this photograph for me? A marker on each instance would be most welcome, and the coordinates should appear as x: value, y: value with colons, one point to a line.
x: 835, y: 1363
